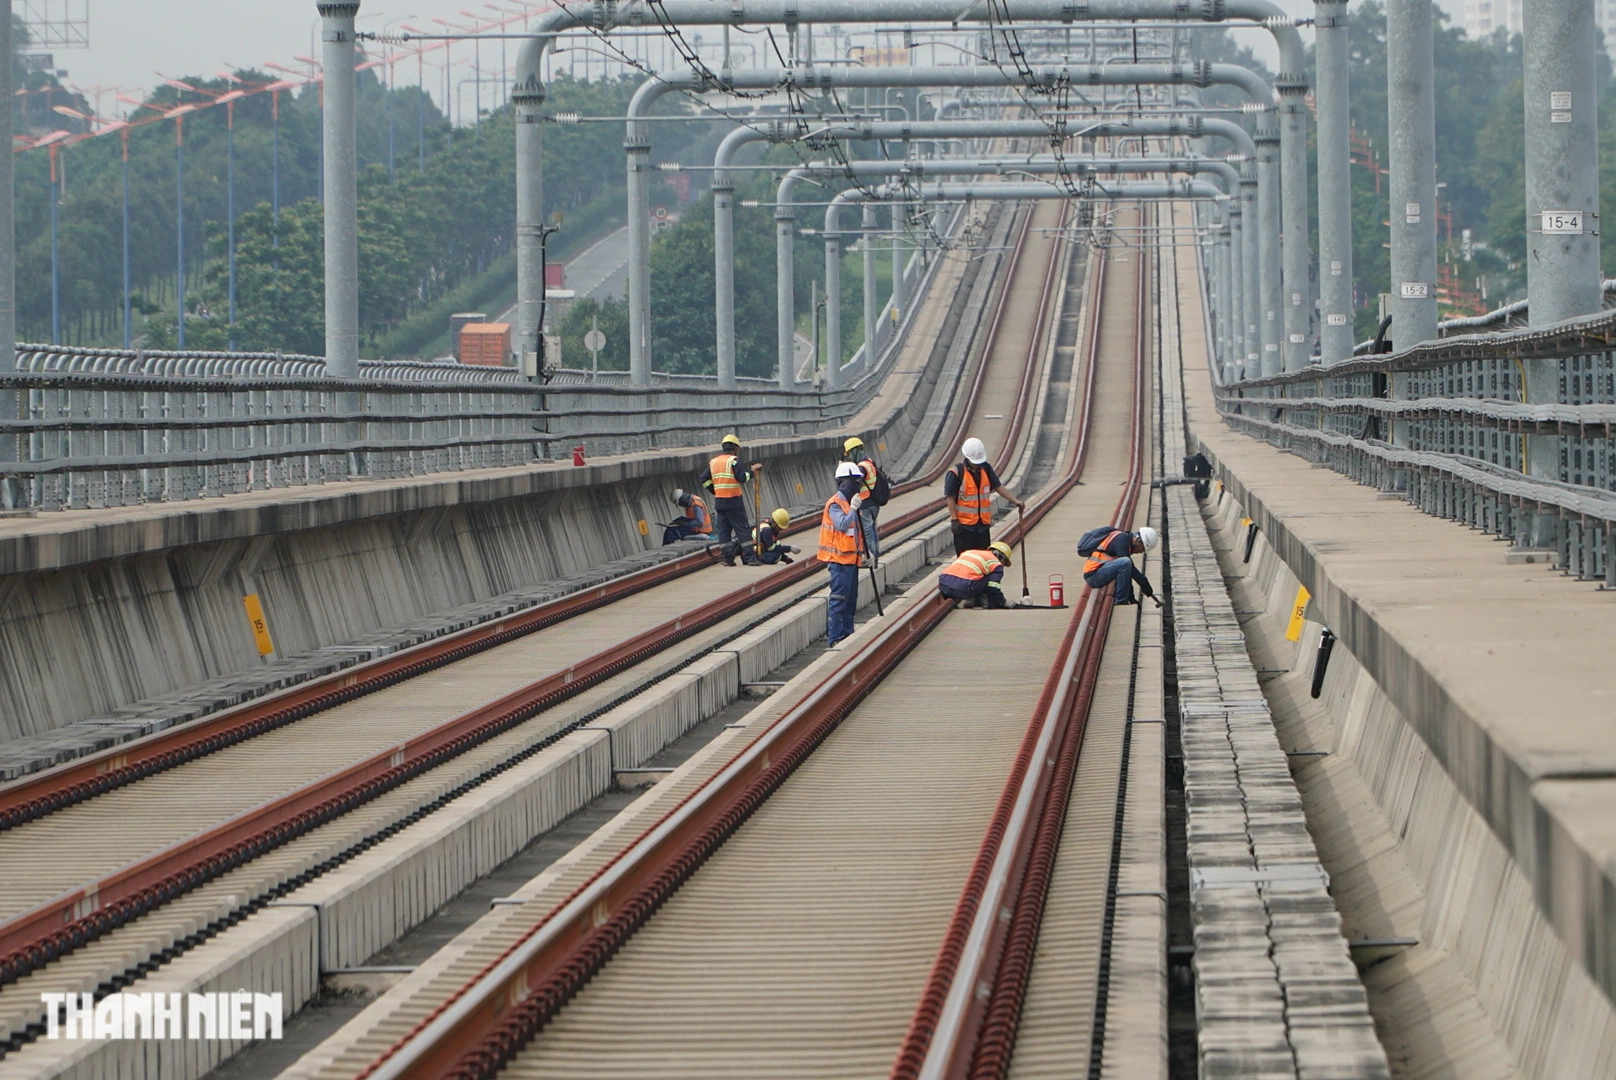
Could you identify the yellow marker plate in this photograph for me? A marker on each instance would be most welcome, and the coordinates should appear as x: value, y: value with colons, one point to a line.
x: 1293, y: 632
x: 799, y: 489
x: 645, y: 530
x: 260, y: 628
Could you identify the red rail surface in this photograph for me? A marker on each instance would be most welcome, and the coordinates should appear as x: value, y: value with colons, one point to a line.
x: 73, y: 919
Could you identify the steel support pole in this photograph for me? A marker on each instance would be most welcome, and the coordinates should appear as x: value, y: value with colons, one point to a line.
x: 527, y: 103
x: 785, y: 300
x: 637, y: 147
x: 833, y: 306
x: 8, y: 238
x: 900, y: 292
x: 1251, y: 280
x: 872, y: 311
x: 1235, y: 311
x: 1297, y: 347
x: 1562, y: 162
x: 1411, y: 104
x: 1335, y: 180
x: 1562, y: 202
x: 341, y: 190
x: 724, y: 276
x: 1269, y: 228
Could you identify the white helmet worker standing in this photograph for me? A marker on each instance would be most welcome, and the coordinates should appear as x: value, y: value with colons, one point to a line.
x: 969, y: 487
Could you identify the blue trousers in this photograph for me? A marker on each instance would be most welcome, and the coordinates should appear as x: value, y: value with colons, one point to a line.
x: 769, y: 558
x: 843, y: 601
x: 1118, y: 573
x: 734, y: 531
x: 675, y: 533
x: 958, y: 588
x: 872, y: 537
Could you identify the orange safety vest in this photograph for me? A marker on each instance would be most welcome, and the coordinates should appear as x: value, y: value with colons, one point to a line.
x: 1100, y: 555
x: 974, y: 565
x: 724, y: 483
x: 867, y: 467
x: 975, y: 497
x: 701, y: 527
x: 836, y: 546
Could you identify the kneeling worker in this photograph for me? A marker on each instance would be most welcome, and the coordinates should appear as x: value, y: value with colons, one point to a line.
x: 976, y: 575
x: 1109, y: 549
x: 696, y: 524
x: 766, y: 539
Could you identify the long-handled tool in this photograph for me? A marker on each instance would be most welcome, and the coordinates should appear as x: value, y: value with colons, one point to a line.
x: 875, y: 586
x: 1026, y: 593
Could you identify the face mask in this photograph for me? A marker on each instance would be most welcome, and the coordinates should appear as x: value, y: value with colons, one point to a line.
x: 848, y: 486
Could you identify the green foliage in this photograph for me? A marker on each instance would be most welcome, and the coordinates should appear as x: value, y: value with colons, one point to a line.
x: 612, y: 315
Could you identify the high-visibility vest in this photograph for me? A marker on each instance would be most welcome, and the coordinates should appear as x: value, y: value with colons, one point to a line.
x: 1101, y: 556
x: 836, y: 546
x: 974, y: 565
x: 724, y: 484
x: 867, y: 467
x: 757, y: 532
x: 700, y: 523
x: 975, y: 497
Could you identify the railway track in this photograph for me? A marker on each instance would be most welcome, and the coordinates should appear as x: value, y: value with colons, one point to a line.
x: 790, y: 895
x: 126, y: 860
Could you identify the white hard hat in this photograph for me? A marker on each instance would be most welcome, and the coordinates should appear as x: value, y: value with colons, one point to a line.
x: 974, y: 451
x: 848, y: 468
x: 1149, y: 537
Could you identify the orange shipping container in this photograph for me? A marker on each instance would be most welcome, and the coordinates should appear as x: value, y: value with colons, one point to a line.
x: 487, y: 344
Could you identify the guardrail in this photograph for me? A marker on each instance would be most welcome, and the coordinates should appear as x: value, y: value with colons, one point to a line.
x: 1458, y: 438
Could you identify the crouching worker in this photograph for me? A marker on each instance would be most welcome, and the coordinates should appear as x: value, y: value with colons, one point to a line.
x: 1109, y: 551
x: 696, y: 524
x: 766, y: 539
x: 977, y: 576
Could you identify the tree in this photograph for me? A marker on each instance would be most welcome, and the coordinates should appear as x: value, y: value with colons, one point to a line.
x: 582, y: 316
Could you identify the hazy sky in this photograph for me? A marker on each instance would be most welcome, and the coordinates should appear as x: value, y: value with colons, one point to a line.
x: 132, y: 40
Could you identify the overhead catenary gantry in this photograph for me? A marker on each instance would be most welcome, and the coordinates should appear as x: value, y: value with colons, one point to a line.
x: 1289, y: 325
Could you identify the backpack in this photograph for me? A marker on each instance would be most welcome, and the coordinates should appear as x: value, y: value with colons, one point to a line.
x: 881, y: 490
x: 1092, y: 539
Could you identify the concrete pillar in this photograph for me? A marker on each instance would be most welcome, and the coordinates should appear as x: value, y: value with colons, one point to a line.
x: 1411, y: 103
x: 527, y: 99
x: 1269, y: 228
x: 637, y: 148
x: 833, y: 303
x: 785, y: 287
x: 1562, y: 161
x: 341, y: 190
x: 724, y: 276
x: 1297, y: 345
x: 1335, y: 181
x: 872, y: 311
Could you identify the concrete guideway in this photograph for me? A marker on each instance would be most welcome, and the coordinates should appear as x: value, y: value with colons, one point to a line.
x: 1459, y: 785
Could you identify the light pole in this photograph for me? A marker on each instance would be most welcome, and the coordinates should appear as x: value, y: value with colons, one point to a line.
x: 179, y: 224
x: 126, y: 304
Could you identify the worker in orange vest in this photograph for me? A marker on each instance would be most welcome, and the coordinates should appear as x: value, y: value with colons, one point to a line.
x: 696, y: 523
x: 969, y: 487
x: 976, y: 576
x: 726, y: 478
x: 839, y: 551
x: 1110, y: 552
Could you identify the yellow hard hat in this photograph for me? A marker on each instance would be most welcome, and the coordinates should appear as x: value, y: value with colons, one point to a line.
x: 855, y: 443
x: 1002, y: 550
x: 782, y: 518
x: 731, y: 439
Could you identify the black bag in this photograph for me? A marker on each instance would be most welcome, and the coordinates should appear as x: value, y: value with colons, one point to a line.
x: 1091, y: 540
x: 881, y: 490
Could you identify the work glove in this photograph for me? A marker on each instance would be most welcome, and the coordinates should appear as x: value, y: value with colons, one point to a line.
x: 856, y: 501
x: 1155, y: 599
x: 794, y: 550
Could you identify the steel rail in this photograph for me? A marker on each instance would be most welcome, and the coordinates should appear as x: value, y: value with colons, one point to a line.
x: 953, y: 1022
x: 504, y: 1005
x: 43, y: 934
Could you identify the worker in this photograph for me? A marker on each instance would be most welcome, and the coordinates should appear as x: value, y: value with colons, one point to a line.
x: 969, y: 488
x: 839, y: 551
x: 877, y: 489
x: 1109, y: 551
x: 766, y: 535
x: 726, y: 478
x: 696, y: 523
x: 977, y: 575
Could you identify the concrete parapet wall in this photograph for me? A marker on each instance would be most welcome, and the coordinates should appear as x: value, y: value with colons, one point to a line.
x: 1477, y: 982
